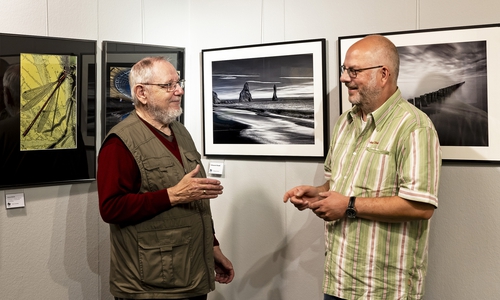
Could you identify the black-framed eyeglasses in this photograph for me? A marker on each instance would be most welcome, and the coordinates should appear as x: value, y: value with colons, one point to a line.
x: 169, y: 86
x: 354, y: 72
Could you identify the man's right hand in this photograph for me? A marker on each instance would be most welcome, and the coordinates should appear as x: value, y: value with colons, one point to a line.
x: 303, y: 195
x: 191, y: 188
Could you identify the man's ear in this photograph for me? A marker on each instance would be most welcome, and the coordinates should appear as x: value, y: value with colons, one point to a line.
x: 141, y: 93
x: 386, y: 75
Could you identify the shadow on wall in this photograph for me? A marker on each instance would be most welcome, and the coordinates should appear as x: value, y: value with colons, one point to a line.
x: 289, y: 251
x: 266, y: 250
x: 463, y: 242
x: 73, y: 260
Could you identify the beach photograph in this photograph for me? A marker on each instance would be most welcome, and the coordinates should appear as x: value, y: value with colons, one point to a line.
x: 265, y: 100
x: 448, y: 82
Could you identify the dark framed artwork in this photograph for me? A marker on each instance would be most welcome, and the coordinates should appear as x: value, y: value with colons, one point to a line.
x: 48, y: 137
x: 265, y: 100
x: 450, y: 74
x: 118, y: 58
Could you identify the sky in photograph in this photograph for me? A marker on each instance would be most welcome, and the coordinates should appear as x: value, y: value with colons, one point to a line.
x: 426, y: 68
x: 292, y: 75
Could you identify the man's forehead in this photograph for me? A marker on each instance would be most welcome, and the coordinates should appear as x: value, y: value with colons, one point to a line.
x: 356, y: 57
x: 165, y: 69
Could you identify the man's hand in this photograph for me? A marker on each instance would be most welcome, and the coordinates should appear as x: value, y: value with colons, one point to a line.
x: 224, y: 272
x: 191, y: 188
x: 331, y: 207
x: 302, y: 196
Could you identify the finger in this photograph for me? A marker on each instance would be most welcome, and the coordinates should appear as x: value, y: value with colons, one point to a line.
x: 211, y: 189
x: 194, y: 172
x: 299, y: 193
x: 286, y: 197
x: 319, y: 214
x: 301, y: 208
x: 207, y: 183
x: 210, y: 194
x: 315, y: 205
x: 296, y: 201
x: 225, y: 277
x: 299, y: 204
x: 324, y: 194
x: 295, y: 192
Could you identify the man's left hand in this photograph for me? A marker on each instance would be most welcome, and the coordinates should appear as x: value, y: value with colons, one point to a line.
x: 224, y: 272
x: 331, y: 207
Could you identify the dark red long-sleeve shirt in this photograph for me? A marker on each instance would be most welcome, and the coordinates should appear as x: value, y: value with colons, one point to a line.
x: 119, y: 183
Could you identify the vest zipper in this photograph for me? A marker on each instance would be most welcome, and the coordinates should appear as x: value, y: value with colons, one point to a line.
x: 204, y: 244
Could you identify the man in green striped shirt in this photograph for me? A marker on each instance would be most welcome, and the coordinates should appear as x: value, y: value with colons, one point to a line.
x: 382, y: 174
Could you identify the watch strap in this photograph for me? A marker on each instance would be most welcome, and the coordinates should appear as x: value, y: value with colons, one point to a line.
x: 351, y: 210
x: 352, y: 199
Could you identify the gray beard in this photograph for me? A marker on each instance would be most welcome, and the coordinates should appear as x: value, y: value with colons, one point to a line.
x: 163, y: 116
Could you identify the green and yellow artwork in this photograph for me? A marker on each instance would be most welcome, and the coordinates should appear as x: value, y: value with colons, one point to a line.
x: 48, y: 101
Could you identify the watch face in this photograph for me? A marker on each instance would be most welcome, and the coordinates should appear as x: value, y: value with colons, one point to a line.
x: 351, y: 213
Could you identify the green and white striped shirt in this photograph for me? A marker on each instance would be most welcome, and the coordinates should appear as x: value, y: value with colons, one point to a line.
x: 396, y: 153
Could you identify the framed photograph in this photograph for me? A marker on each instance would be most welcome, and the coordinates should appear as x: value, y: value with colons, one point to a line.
x: 265, y: 100
x: 46, y: 138
x: 451, y: 74
x: 118, y: 59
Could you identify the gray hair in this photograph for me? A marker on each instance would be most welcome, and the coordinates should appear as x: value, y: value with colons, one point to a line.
x: 142, y: 72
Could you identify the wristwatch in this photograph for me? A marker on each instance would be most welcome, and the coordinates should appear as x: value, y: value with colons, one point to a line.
x: 351, y: 211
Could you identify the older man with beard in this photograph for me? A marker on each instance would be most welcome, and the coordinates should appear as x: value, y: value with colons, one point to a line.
x: 382, y: 174
x: 154, y: 193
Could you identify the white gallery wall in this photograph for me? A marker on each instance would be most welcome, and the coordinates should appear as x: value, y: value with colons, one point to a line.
x: 57, y: 247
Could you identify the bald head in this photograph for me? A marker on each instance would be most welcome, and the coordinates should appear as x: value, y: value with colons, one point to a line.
x: 372, y: 65
x: 378, y: 50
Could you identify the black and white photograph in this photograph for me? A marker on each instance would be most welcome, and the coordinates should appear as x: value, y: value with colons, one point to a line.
x: 449, y: 83
x: 447, y: 74
x: 266, y: 103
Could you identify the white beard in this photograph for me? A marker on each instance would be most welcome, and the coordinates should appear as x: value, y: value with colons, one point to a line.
x: 164, y: 116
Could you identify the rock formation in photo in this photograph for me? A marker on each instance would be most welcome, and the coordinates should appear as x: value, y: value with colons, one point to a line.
x: 215, y: 98
x: 245, y: 95
x: 275, y: 96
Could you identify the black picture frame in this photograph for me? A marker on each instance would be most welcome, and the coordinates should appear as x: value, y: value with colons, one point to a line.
x: 450, y: 74
x: 281, y: 112
x: 117, y: 60
x: 41, y: 163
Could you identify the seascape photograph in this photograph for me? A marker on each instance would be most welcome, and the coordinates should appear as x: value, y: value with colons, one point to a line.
x: 266, y: 100
x: 449, y: 83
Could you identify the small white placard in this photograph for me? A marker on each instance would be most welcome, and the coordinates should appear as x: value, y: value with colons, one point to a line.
x: 14, y: 200
x: 216, y: 168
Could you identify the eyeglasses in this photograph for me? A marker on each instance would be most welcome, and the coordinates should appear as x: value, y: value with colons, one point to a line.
x: 169, y: 86
x: 354, y: 72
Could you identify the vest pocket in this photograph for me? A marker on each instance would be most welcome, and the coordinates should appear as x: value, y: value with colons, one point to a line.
x: 193, y: 159
x: 159, y: 172
x: 164, y: 258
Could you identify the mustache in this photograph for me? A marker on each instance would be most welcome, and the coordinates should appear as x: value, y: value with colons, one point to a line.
x: 350, y: 86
